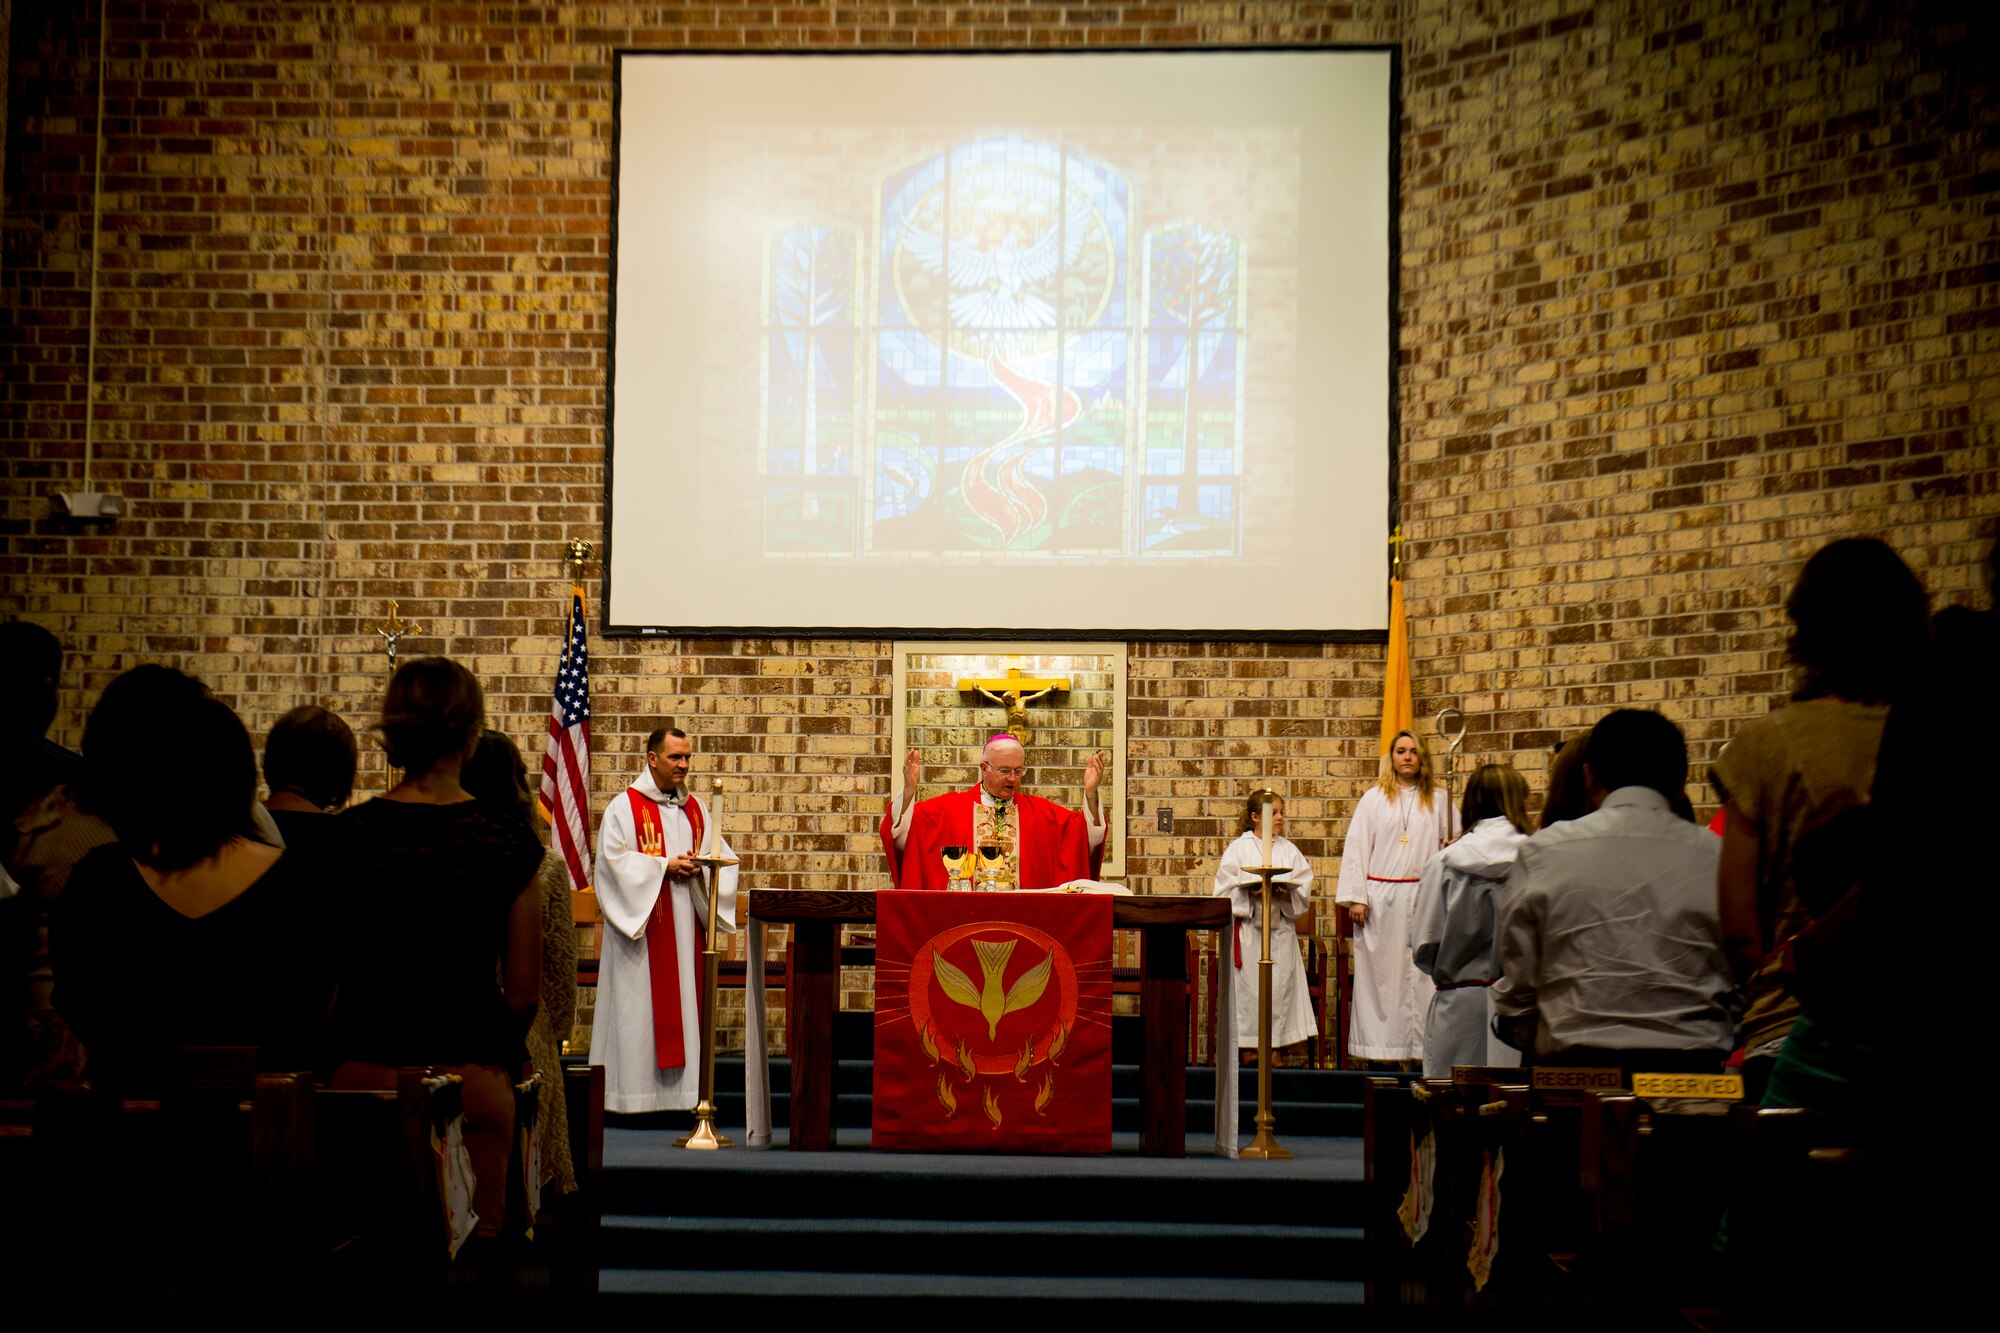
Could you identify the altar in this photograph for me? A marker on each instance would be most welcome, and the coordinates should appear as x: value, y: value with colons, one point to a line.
x: 813, y: 979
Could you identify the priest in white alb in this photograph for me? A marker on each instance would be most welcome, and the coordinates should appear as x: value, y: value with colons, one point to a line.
x: 1399, y: 824
x: 647, y: 1030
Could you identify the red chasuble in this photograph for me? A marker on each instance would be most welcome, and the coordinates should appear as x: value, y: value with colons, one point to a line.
x: 993, y: 1023
x: 663, y: 952
x: 1055, y: 843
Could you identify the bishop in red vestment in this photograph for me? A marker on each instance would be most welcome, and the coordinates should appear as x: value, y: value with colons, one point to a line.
x: 1046, y: 844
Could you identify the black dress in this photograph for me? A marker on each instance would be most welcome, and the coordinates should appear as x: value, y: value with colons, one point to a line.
x: 429, y: 888
x: 135, y: 977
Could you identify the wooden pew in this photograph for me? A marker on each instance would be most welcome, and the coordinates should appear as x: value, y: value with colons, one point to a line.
x: 379, y: 1211
x: 1396, y: 1121
x: 1807, y: 1198
x: 1472, y: 1129
x: 1655, y: 1177
x: 575, y: 1220
x: 209, y: 1174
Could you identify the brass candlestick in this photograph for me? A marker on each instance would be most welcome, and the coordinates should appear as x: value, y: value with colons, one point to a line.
x: 1265, y: 1146
x: 704, y: 1137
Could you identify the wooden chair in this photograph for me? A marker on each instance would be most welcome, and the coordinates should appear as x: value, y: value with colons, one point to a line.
x: 1317, y: 963
x: 1343, y: 984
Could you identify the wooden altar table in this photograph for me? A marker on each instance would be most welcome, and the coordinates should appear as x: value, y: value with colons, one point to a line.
x: 816, y: 917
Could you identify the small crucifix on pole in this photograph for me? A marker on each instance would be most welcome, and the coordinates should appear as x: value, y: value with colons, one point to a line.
x: 1396, y: 541
x: 393, y: 632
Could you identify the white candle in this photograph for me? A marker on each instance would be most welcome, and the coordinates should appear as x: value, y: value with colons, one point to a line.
x: 1264, y: 834
x: 715, y: 821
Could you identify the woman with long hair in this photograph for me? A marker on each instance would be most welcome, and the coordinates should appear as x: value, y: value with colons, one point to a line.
x: 1859, y: 618
x: 1399, y: 824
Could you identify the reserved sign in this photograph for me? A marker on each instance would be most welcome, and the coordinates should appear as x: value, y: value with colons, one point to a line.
x: 1486, y: 1076
x: 1558, y: 1078
x: 1714, y: 1087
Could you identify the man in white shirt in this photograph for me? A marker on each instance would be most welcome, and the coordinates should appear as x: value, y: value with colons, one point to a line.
x: 1610, y: 942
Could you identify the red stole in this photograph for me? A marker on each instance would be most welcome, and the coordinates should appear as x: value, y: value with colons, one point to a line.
x: 663, y: 950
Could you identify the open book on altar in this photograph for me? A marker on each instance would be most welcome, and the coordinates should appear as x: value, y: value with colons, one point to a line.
x: 1072, y: 886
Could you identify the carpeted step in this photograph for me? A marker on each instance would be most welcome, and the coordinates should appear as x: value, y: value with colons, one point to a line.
x: 1061, y: 1247
x: 822, y: 1295
x: 645, y: 1176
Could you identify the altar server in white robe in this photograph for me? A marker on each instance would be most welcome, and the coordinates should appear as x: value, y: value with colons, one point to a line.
x: 1456, y: 918
x: 647, y: 1028
x: 1399, y: 824
x: 1291, y: 895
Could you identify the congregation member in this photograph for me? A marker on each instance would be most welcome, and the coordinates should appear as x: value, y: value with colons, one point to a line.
x: 187, y: 930
x: 440, y: 958
x: 1455, y: 920
x: 1399, y: 824
x: 1567, y: 797
x: 1857, y: 612
x: 1292, y: 1021
x: 1851, y: 1053
x: 44, y: 833
x: 310, y: 756
x: 1610, y: 946
x: 647, y: 1029
x: 1043, y: 845
x: 497, y: 778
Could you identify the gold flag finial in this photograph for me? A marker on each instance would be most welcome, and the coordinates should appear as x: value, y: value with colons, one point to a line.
x: 1396, y: 541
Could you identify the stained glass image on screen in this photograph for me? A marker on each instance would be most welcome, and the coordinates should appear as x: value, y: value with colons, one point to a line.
x: 1070, y: 344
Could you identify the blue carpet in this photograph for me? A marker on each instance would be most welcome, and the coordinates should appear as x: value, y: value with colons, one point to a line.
x: 1073, y: 1236
x: 1125, y: 1291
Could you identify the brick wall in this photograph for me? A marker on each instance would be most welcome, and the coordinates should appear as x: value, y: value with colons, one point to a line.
x: 1685, y: 290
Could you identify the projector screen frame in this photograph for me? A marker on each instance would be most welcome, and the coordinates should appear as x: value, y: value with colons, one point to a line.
x: 1075, y: 633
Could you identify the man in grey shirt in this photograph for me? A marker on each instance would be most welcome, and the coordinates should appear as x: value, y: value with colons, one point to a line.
x: 1610, y: 944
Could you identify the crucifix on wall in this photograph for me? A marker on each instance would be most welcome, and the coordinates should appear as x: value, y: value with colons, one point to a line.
x: 1014, y: 692
x: 393, y: 632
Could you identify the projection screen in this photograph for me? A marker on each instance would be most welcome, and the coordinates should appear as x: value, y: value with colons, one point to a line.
x: 1002, y: 345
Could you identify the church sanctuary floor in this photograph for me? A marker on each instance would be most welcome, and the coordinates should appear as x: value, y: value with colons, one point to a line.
x: 1074, y: 1235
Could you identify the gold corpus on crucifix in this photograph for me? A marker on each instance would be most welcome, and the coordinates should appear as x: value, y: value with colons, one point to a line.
x: 393, y: 631
x: 1014, y: 692
x: 1396, y: 540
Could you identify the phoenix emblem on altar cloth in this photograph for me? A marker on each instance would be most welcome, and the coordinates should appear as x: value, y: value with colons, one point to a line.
x: 1016, y: 1016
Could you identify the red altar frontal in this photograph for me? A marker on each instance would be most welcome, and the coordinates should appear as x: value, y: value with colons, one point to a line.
x: 993, y: 1023
x: 816, y: 916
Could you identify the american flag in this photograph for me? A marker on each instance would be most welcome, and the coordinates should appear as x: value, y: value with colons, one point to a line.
x: 565, y: 795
